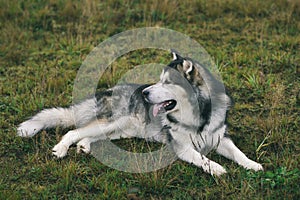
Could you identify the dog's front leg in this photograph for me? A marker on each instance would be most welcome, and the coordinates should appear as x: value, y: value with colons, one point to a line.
x: 227, y: 149
x: 96, y: 130
x: 84, y: 145
x: 190, y: 155
x: 92, y: 130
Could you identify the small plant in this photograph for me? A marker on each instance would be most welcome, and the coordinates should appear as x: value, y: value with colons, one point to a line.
x: 278, y: 178
x: 255, y: 81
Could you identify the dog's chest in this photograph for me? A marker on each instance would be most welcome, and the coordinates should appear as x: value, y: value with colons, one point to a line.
x: 201, y: 142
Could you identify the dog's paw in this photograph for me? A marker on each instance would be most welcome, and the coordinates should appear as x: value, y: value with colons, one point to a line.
x: 29, y: 128
x: 254, y: 166
x: 84, y: 145
x: 60, y: 150
x: 216, y: 169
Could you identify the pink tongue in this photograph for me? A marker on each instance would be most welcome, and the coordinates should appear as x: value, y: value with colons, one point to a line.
x: 156, y: 109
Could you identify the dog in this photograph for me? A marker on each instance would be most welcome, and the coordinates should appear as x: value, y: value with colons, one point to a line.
x: 186, y: 108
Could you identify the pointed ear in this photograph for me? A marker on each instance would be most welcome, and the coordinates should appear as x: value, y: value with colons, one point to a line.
x: 175, y: 55
x: 187, y: 66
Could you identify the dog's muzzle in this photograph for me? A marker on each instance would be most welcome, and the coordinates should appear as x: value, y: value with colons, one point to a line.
x: 159, y: 107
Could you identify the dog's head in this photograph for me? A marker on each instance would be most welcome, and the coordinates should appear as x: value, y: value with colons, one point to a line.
x: 177, y: 93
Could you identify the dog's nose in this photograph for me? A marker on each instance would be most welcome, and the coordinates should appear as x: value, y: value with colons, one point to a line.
x: 145, y: 92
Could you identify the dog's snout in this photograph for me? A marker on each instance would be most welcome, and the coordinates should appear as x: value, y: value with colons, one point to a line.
x: 145, y: 92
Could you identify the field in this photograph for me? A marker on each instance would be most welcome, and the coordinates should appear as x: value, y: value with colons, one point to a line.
x: 255, y: 45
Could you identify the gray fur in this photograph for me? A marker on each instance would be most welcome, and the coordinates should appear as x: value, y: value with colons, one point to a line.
x: 187, y: 108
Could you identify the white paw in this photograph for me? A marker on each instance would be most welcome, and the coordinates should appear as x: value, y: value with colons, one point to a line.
x: 84, y: 145
x: 254, y: 166
x: 29, y: 128
x: 216, y: 169
x: 60, y: 150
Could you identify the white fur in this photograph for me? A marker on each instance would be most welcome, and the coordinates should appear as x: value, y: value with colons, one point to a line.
x: 230, y: 151
x: 188, y: 144
x: 188, y: 65
x: 184, y: 140
x: 84, y: 145
x: 77, y: 115
x: 192, y: 156
x: 45, y: 119
x: 92, y: 132
x: 174, y: 56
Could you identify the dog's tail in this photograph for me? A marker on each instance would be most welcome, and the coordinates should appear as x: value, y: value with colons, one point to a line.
x: 78, y: 115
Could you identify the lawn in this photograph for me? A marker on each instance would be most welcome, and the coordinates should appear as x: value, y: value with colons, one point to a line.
x: 255, y: 45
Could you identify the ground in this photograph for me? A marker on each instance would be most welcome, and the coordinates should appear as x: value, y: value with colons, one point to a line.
x: 255, y: 45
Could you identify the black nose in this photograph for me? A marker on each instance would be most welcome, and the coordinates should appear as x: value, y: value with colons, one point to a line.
x: 145, y: 92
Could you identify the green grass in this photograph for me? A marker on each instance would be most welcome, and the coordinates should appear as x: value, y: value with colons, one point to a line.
x: 254, y: 43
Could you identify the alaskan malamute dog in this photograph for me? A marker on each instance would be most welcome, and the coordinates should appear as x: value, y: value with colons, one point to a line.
x: 186, y: 109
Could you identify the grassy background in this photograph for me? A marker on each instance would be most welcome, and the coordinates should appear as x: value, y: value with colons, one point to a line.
x: 256, y: 47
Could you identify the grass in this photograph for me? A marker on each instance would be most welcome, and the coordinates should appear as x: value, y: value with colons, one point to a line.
x: 254, y: 43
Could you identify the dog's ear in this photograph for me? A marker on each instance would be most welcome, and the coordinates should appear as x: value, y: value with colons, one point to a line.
x: 188, y: 67
x: 175, y: 55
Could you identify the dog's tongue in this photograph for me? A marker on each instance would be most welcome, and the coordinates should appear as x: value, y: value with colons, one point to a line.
x: 157, y: 108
